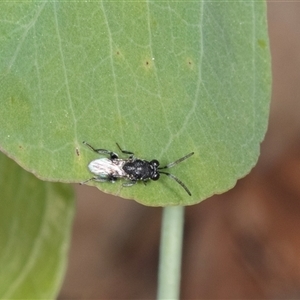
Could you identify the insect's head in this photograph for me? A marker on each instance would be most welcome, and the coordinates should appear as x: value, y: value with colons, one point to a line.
x: 155, y: 174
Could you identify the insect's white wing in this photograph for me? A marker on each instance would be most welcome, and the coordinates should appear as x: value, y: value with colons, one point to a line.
x: 105, y: 167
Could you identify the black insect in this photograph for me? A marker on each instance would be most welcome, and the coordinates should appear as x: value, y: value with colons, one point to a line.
x: 133, y: 169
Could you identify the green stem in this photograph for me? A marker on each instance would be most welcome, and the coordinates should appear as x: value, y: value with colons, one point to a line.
x: 169, y: 272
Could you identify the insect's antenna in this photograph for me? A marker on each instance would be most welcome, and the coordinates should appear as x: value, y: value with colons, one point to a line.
x: 178, y: 181
x: 172, y: 164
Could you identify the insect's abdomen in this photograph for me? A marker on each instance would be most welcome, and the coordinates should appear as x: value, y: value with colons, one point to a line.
x: 105, y: 167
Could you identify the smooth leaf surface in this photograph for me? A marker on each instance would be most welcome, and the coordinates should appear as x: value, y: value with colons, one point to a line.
x: 161, y: 78
x: 35, y: 226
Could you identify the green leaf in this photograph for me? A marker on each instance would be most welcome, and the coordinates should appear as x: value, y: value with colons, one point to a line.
x: 161, y: 78
x: 35, y: 225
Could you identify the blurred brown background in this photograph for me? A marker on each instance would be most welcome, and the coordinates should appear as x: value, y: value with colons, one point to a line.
x: 244, y: 244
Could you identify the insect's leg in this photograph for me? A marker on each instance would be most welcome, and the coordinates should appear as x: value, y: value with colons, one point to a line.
x: 111, y: 179
x: 108, y: 178
x: 145, y: 181
x: 95, y: 178
x: 131, y: 154
x: 84, y: 182
x: 129, y: 183
x: 102, y: 151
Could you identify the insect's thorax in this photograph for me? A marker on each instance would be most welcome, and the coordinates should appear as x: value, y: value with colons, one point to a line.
x: 138, y: 169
